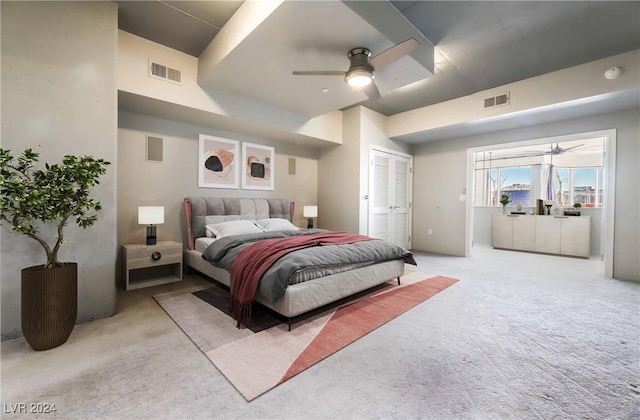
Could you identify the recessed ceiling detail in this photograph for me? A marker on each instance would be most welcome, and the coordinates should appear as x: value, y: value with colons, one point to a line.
x: 480, y: 45
x: 260, y: 66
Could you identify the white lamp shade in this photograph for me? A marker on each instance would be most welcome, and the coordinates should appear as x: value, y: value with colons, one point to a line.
x: 150, y: 215
x: 310, y: 211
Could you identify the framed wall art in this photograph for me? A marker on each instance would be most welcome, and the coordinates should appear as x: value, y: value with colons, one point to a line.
x: 258, y: 167
x: 218, y: 162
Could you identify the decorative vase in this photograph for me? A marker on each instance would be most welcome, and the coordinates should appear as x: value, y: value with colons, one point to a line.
x: 504, y: 209
x: 49, y: 304
x: 519, y: 206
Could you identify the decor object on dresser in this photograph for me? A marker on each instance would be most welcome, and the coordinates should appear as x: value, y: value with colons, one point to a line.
x: 266, y: 355
x: 575, y: 211
x: 258, y: 170
x: 310, y: 212
x: 504, y: 200
x: 150, y: 265
x: 150, y: 216
x: 54, y: 195
x: 218, y: 162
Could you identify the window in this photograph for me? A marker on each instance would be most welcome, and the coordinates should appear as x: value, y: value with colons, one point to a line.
x: 578, y: 185
x: 517, y: 183
x: 514, y: 181
x: 566, y: 172
x: 562, y: 186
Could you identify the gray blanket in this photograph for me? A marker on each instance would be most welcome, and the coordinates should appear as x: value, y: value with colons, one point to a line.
x: 275, y: 280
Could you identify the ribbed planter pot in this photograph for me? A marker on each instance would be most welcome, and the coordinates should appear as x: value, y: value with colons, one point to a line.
x: 49, y: 304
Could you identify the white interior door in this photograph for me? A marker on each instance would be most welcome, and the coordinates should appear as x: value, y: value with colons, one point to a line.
x: 390, y: 197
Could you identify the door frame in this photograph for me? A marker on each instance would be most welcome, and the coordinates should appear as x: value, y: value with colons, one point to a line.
x: 609, y: 168
x: 370, y: 186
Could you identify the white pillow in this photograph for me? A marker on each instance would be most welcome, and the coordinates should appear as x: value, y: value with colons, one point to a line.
x: 232, y: 227
x: 270, y: 225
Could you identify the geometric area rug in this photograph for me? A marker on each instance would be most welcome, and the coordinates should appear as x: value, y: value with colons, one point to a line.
x: 255, y: 362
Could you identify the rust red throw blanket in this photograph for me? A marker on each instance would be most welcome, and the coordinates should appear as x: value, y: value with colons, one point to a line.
x: 253, y: 261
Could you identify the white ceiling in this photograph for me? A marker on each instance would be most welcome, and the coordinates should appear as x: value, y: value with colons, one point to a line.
x: 478, y: 45
x: 260, y: 67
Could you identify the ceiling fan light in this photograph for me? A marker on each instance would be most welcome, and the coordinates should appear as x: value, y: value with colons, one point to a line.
x: 358, y: 78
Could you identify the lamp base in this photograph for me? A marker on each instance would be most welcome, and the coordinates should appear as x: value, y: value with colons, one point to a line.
x: 310, y: 223
x: 151, y: 235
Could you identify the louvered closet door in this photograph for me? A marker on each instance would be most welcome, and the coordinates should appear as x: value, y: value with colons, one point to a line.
x: 390, y: 200
x: 400, y: 211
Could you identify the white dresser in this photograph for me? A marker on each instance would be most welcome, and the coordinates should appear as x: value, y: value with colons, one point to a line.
x: 562, y: 235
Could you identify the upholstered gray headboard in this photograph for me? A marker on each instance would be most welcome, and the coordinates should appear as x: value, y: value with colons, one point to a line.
x: 200, y: 211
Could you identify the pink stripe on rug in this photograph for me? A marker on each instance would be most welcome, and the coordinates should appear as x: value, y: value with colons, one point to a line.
x: 353, y: 321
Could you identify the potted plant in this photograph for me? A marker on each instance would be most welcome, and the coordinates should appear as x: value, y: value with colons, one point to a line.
x: 504, y: 200
x: 54, y: 195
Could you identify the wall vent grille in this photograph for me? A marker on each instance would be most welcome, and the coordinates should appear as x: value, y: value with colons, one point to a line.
x: 500, y: 100
x: 165, y: 73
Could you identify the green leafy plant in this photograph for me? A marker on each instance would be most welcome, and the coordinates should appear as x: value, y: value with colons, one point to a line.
x: 577, y: 205
x: 56, y: 194
x: 505, y: 199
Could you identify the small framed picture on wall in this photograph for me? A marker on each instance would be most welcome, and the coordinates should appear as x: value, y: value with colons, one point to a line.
x: 258, y: 167
x: 218, y: 162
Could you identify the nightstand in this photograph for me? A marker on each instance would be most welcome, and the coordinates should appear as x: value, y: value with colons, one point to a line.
x: 150, y: 265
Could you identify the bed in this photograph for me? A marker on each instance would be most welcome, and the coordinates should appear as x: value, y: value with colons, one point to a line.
x: 298, y: 298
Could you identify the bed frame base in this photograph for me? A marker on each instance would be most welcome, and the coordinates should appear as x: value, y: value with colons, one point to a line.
x: 307, y: 296
x: 292, y: 319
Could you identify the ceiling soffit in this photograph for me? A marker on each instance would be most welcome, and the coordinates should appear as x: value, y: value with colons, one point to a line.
x: 308, y: 36
x: 187, y: 26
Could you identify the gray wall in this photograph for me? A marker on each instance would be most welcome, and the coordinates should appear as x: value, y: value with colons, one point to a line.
x: 166, y: 183
x: 344, y: 170
x: 440, y: 175
x: 59, y: 97
x: 339, y: 179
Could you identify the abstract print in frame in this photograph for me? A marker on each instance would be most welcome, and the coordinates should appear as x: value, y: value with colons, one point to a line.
x: 218, y: 162
x: 258, y: 167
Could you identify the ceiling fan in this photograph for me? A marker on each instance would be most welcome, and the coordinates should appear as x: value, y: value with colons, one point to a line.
x: 362, y: 66
x: 553, y: 151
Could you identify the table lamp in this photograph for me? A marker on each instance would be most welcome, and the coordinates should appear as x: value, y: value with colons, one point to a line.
x: 310, y: 212
x: 150, y: 216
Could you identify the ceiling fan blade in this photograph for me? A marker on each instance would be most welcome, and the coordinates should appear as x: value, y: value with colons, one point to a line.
x: 394, y: 53
x: 319, y: 73
x: 516, y: 156
x: 498, y: 158
x: 372, y: 91
x: 532, y: 153
x: 569, y: 148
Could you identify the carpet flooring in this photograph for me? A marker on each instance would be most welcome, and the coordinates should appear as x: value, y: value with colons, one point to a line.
x: 519, y: 336
x: 266, y: 354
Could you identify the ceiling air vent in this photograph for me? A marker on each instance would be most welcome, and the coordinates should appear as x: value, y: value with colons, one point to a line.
x: 500, y: 100
x: 165, y: 73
